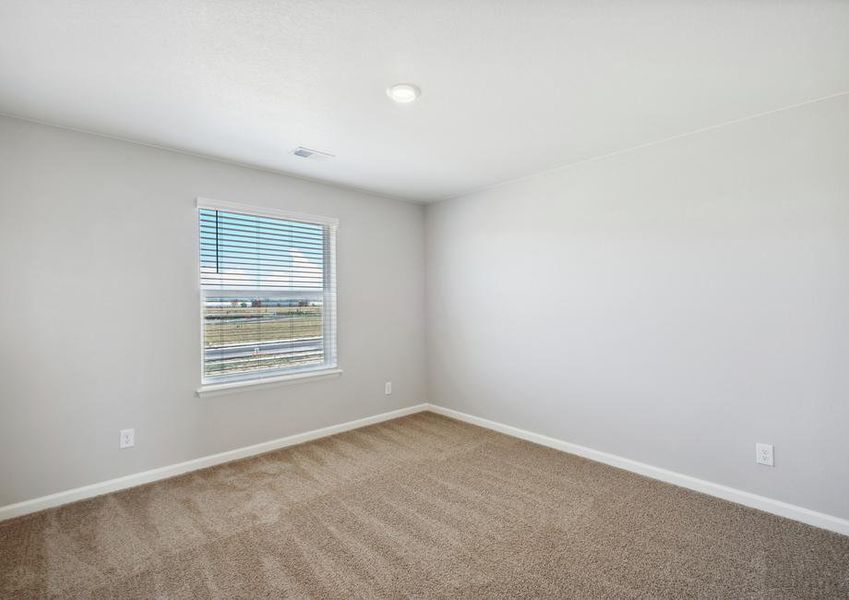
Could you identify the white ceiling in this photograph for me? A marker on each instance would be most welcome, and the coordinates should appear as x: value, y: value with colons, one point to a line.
x: 509, y: 88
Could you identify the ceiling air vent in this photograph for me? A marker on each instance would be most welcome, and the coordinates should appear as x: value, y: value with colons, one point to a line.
x: 311, y: 154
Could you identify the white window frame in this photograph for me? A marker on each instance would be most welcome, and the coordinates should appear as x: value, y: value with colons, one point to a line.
x: 330, y: 367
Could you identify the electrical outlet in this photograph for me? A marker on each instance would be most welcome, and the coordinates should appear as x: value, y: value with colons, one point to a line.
x: 763, y: 454
x: 128, y: 438
x: 387, y: 388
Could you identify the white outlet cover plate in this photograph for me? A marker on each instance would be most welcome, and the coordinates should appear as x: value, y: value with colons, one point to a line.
x: 764, y: 454
x: 128, y: 438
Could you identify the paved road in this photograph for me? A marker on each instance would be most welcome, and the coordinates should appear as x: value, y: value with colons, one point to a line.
x: 264, y: 348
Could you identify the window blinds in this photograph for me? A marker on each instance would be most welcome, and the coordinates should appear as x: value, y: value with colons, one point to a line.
x: 268, y: 294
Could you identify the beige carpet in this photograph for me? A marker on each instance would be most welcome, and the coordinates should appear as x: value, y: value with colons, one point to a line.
x: 422, y: 507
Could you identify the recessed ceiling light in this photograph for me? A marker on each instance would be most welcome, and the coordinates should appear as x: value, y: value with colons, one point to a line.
x: 403, y: 92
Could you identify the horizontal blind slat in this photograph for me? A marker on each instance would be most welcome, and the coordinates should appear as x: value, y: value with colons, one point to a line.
x: 229, y: 242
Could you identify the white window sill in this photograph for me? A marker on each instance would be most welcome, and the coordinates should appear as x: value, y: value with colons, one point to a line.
x: 215, y: 389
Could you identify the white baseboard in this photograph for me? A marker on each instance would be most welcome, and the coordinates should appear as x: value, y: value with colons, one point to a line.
x: 776, y: 507
x: 113, y: 485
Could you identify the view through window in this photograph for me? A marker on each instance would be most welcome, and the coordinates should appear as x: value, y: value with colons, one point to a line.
x: 268, y: 293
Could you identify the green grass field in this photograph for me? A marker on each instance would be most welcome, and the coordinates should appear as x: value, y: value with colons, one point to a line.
x: 225, y: 326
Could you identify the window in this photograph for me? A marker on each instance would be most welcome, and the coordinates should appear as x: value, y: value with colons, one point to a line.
x: 268, y: 293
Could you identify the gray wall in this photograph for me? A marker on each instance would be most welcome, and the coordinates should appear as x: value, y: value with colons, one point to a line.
x: 672, y: 304
x: 99, y: 310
